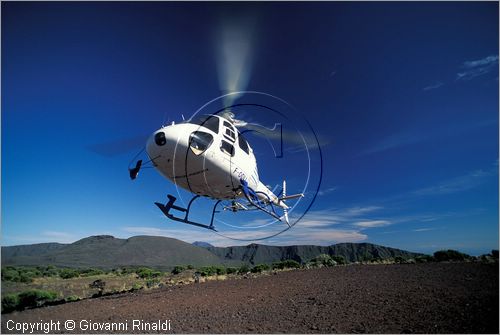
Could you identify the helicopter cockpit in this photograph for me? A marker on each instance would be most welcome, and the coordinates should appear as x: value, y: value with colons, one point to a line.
x: 200, y: 140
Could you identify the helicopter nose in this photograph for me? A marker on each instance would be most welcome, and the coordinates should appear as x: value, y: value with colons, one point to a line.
x: 156, y: 143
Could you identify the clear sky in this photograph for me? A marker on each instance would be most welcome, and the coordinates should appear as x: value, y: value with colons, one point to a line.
x: 404, y: 97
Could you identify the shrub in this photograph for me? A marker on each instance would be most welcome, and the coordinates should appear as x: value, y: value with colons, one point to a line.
x: 220, y: 270
x: 91, y: 272
x: 494, y: 254
x: 450, y: 255
x: 322, y: 260
x: 260, y: 267
x: 190, y: 267
x: 137, y: 286
x: 231, y: 270
x: 72, y: 298
x: 178, y: 269
x: 148, y: 273
x: 339, y: 260
x: 152, y: 282
x: 68, y: 273
x: 424, y: 259
x: 244, y: 269
x: 10, y: 302
x: 207, y: 271
x: 10, y: 274
x: 49, y: 271
x: 98, y: 284
x: 286, y: 264
x: 399, y: 259
x: 35, y: 298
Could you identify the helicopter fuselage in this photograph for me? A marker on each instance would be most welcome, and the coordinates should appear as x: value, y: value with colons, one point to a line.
x: 208, y: 157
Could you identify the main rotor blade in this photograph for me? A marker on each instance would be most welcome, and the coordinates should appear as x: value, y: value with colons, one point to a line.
x: 119, y: 146
x: 297, y: 139
x: 234, y: 55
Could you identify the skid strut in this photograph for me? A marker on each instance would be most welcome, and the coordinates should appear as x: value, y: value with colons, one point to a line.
x: 170, y: 205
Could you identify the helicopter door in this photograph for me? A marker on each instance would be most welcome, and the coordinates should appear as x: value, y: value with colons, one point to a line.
x: 229, y: 132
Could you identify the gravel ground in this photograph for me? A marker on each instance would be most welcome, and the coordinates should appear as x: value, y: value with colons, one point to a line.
x: 418, y: 298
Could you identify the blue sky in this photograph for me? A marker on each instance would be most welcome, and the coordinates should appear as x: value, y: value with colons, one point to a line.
x: 403, y: 96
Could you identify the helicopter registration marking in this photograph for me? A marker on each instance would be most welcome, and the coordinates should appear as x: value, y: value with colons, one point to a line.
x: 240, y: 174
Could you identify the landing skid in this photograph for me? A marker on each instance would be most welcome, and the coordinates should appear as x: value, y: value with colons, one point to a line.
x: 170, y: 205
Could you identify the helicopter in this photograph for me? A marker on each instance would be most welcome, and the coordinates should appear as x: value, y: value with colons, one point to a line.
x: 209, y: 157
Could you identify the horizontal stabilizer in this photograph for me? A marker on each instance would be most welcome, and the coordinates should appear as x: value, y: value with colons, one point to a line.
x: 293, y: 196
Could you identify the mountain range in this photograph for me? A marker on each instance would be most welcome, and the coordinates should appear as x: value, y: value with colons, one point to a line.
x: 108, y: 252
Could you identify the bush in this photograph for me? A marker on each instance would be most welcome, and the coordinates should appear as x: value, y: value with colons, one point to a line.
x: 450, y: 255
x: 152, y: 282
x: 48, y: 271
x: 10, y: 274
x: 20, y: 274
x: 137, y: 286
x: 207, y: 271
x: 286, y: 264
x: 494, y: 254
x: 220, y: 270
x: 322, y: 260
x: 35, y: 298
x: 399, y: 260
x: 68, y: 273
x: 72, y: 298
x: 339, y: 260
x: 424, y: 259
x: 231, y: 270
x: 10, y: 302
x: 260, y: 267
x: 244, y: 269
x: 91, y: 272
x: 148, y: 273
x: 178, y: 269
x: 98, y: 284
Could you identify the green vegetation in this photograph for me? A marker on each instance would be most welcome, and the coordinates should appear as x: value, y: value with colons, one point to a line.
x: 10, y: 302
x: 137, y: 286
x: 68, y: 273
x: 287, y: 264
x: 450, y: 255
x: 231, y: 270
x: 322, y: 260
x: 72, y: 298
x: 20, y: 274
x: 29, y: 298
x: 212, y: 270
x: 244, y: 269
x: 327, y: 261
x: 259, y: 268
x: 147, y: 273
x: 424, y: 259
x: 178, y: 269
x: 339, y: 259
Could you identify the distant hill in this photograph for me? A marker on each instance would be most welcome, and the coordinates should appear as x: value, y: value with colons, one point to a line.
x: 352, y: 252
x: 106, y: 251
x: 202, y: 244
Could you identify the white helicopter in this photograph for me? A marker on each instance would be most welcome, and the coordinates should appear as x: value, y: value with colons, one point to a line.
x: 209, y: 157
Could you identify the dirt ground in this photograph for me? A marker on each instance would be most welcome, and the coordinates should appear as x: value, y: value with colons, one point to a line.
x: 406, y: 298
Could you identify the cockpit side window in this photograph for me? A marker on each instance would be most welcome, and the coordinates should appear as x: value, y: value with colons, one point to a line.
x: 199, y: 141
x: 227, y: 148
x: 243, y: 144
x: 210, y: 122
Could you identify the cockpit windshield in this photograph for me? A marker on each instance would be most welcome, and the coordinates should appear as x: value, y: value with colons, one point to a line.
x: 208, y: 121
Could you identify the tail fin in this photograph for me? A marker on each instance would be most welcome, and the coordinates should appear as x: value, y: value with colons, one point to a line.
x: 285, y: 207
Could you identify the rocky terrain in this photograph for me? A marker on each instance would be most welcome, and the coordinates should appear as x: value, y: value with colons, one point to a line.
x: 400, y: 298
